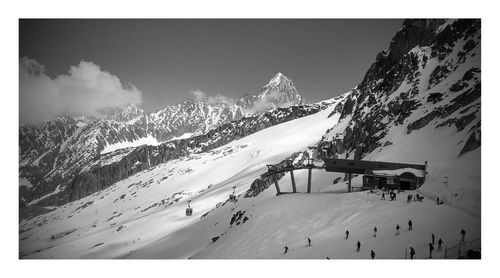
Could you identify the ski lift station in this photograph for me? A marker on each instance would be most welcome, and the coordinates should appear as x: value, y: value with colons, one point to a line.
x: 379, y: 174
x: 376, y: 174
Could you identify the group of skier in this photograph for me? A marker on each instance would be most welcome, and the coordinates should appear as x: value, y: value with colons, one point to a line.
x: 414, y: 197
x: 409, y: 198
x: 440, y: 243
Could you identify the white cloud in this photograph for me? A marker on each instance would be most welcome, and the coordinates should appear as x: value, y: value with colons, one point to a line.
x: 202, y: 96
x: 84, y: 90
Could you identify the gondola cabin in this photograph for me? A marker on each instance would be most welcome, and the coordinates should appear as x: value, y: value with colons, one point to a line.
x: 189, y: 210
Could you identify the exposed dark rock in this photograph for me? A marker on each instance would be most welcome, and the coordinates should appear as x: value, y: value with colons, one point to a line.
x: 474, y: 140
x: 435, y: 97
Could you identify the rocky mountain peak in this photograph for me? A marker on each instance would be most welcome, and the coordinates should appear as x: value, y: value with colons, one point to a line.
x: 127, y: 113
x: 280, y: 83
x: 280, y: 91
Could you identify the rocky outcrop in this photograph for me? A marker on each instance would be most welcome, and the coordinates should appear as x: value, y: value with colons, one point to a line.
x: 262, y: 183
x: 474, y: 140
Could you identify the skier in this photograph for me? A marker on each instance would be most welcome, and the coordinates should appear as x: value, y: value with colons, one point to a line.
x: 372, y: 254
x: 397, y: 229
x: 309, y: 241
x: 437, y: 200
x: 431, y: 248
x: 286, y: 250
x: 414, y: 198
x: 346, y: 234
x: 462, y: 232
x: 375, y: 232
x: 358, y: 245
x: 408, y: 199
x: 412, y: 253
x: 383, y: 196
x: 433, y: 238
x: 440, y: 245
x: 410, y: 225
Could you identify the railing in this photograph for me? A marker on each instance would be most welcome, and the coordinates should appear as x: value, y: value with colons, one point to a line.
x: 461, y: 248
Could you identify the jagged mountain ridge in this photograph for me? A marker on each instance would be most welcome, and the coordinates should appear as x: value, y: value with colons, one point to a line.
x: 129, y: 112
x: 49, y: 164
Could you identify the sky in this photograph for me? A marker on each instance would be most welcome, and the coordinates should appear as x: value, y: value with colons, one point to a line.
x: 84, y: 66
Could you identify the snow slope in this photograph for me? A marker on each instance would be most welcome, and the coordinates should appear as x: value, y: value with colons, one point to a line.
x: 411, y: 116
x: 288, y: 220
x: 132, y: 213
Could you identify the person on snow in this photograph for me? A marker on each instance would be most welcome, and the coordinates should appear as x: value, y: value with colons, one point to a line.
x: 414, y: 198
x: 375, y: 232
x: 286, y: 250
x: 309, y: 241
x: 433, y: 238
x: 440, y: 245
x: 462, y: 232
x: 408, y: 199
x: 358, y: 245
x: 410, y: 225
x: 383, y: 196
x: 412, y: 253
x: 397, y: 229
x: 372, y: 254
x: 346, y: 234
x: 431, y: 248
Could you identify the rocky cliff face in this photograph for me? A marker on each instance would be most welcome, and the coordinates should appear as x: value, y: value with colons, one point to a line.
x: 429, y: 75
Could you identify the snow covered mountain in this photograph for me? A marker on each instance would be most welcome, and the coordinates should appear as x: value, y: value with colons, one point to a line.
x: 279, y: 92
x: 52, y: 153
x: 420, y: 101
x: 128, y: 113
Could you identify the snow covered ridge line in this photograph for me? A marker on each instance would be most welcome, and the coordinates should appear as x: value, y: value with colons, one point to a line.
x: 112, y: 167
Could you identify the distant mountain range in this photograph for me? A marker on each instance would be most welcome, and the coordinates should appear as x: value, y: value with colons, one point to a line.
x: 54, y: 150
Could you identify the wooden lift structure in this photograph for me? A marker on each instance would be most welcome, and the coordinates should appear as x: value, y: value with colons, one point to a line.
x: 272, y: 170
